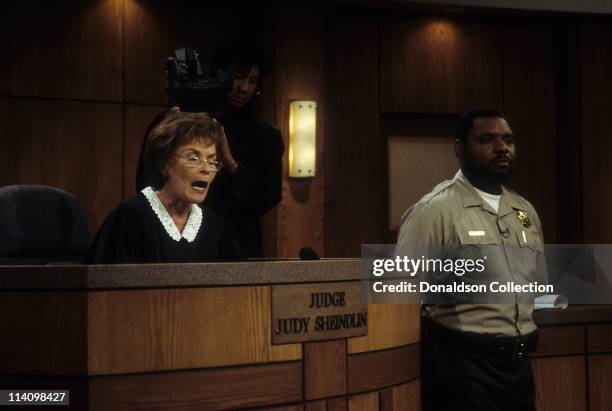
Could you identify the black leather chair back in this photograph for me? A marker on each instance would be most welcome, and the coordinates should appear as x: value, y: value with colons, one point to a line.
x: 41, y: 225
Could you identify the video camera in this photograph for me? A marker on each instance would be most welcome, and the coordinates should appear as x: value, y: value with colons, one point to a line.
x: 186, y: 85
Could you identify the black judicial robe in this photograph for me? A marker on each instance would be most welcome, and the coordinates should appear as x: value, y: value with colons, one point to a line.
x: 253, y: 189
x: 133, y: 233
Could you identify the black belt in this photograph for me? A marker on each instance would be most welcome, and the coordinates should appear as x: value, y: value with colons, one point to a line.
x: 505, y: 348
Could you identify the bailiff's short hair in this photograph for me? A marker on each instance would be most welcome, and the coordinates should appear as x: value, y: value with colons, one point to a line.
x: 176, y: 130
x: 466, y: 121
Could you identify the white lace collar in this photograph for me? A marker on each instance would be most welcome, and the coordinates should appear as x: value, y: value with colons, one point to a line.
x: 193, y: 223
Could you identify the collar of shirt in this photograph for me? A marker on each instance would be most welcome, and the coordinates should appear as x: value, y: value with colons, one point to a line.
x: 191, y: 227
x: 471, y: 198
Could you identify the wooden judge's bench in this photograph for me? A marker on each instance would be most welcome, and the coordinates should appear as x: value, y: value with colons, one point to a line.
x: 282, y: 335
x: 199, y: 336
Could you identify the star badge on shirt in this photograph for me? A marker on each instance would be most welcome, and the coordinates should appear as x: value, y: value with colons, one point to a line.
x: 522, y: 216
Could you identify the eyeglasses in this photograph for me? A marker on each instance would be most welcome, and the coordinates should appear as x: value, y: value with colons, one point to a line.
x: 194, y: 161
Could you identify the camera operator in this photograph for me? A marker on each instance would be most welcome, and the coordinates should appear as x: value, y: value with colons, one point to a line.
x: 251, y: 151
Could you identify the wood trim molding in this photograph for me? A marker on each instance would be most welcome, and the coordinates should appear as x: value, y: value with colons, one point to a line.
x: 599, y: 338
x: 566, y: 340
x: 227, y: 388
x: 382, y: 369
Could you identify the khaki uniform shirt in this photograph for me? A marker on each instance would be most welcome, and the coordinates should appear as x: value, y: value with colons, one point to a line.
x: 454, y: 216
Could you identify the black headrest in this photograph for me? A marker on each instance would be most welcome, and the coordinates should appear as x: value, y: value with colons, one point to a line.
x: 41, y: 223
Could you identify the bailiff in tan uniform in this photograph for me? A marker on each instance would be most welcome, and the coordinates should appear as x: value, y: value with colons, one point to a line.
x: 455, y: 217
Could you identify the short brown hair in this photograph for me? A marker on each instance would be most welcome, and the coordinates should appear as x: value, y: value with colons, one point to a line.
x: 176, y: 130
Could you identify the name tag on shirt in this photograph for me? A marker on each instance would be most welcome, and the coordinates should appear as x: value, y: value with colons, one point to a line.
x: 476, y: 233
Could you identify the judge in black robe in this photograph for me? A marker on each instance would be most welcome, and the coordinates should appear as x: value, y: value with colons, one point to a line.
x: 133, y: 233
x: 165, y: 224
x: 250, y: 184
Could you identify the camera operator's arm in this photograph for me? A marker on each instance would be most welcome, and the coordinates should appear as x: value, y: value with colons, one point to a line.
x: 225, y: 155
x: 253, y: 189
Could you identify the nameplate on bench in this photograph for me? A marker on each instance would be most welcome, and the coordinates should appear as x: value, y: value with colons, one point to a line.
x: 312, y: 312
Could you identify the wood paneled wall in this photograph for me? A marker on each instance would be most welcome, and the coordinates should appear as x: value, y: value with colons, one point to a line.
x: 430, y: 69
x: 529, y: 101
x: 355, y: 162
x: 61, y: 99
x: 299, y: 76
x: 596, y: 111
x: 68, y: 52
x: 437, y: 65
x: 81, y: 81
x: 68, y: 144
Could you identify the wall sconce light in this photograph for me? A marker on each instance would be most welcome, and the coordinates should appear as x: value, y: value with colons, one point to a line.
x: 302, y: 138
